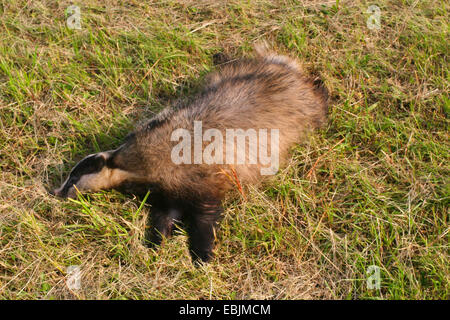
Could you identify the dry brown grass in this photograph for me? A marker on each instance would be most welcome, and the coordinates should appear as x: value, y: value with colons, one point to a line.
x: 370, y: 189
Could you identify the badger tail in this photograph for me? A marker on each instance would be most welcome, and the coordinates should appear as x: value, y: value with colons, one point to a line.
x: 263, y: 52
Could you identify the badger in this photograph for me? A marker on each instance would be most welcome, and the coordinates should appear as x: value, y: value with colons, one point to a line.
x: 186, y: 158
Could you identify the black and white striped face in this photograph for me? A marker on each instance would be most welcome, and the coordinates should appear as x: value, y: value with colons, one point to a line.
x: 86, y: 175
x: 99, y: 171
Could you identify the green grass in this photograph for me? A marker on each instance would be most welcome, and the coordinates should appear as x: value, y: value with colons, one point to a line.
x: 371, y: 188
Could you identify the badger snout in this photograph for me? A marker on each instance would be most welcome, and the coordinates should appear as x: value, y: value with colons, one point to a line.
x: 57, y: 193
x: 63, y: 192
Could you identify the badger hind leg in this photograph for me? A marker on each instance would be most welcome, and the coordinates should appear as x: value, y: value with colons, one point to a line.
x: 201, y: 224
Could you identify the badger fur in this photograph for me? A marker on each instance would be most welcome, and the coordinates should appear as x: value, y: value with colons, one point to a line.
x: 268, y: 91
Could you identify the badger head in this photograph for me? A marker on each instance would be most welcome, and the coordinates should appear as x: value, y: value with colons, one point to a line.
x: 93, y: 173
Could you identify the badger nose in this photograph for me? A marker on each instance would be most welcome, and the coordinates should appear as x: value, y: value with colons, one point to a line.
x: 55, y: 192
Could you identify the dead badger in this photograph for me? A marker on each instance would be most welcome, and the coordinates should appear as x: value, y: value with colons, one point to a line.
x: 237, y: 130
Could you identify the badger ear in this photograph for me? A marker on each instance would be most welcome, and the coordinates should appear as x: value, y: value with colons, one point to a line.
x: 99, y: 161
x: 110, y: 158
x: 117, y: 158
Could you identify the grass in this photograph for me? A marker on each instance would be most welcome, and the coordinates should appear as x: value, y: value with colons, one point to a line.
x: 372, y: 188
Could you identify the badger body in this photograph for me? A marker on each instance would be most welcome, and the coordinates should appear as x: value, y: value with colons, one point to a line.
x: 266, y: 93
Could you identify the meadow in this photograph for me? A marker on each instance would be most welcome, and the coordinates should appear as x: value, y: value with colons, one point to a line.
x: 369, y: 189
